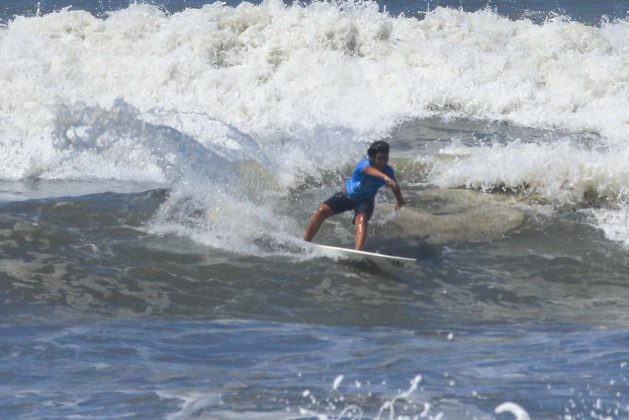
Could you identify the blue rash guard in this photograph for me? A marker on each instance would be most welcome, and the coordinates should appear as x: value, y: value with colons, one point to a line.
x: 361, y: 186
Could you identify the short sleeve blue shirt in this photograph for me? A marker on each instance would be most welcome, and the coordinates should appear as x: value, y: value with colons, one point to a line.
x: 362, y: 186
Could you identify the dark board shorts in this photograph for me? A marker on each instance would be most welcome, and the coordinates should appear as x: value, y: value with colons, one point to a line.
x: 340, y: 203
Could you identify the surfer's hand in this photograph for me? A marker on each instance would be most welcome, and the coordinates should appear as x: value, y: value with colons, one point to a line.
x: 400, y: 203
x: 390, y: 182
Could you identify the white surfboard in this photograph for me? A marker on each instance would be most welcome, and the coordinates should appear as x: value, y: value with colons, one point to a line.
x: 382, y: 261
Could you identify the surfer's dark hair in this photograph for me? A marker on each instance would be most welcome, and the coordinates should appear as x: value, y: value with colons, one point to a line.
x: 377, y: 147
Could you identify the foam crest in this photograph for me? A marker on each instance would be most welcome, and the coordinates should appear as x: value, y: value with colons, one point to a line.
x: 614, y: 223
x: 559, y: 172
x: 273, y: 69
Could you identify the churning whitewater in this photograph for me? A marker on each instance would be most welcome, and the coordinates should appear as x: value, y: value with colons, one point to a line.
x: 308, y: 82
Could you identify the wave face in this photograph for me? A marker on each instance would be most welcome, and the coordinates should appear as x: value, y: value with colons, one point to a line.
x: 157, y: 97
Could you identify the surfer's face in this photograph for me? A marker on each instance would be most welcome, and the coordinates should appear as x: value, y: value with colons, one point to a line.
x: 380, y: 160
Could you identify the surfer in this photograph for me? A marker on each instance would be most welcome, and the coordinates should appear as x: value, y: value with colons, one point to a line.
x: 359, y: 192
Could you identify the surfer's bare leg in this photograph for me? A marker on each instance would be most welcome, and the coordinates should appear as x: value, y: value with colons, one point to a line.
x: 323, y: 212
x: 361, y: 221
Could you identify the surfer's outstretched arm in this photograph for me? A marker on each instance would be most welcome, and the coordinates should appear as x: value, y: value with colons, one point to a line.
x: 392, y: 183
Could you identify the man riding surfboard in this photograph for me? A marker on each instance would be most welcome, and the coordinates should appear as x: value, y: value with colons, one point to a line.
x: 359, y: 193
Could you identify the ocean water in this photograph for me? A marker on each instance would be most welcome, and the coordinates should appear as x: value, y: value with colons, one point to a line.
x: 159, y: 162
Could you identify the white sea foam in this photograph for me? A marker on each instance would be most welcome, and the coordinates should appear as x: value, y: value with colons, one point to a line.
x: 513, y: 408
x: 615, y: 223
x: 561, y: 172
x: 272, y: 70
